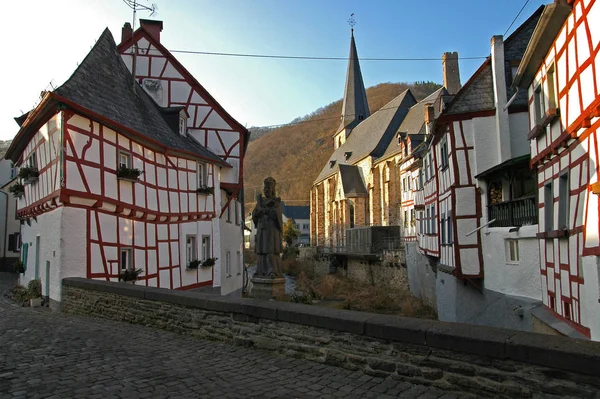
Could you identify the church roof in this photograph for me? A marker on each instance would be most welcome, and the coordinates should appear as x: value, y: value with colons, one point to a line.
x: 355, y: 107
x: 352, y: 183
x: 371, y: 136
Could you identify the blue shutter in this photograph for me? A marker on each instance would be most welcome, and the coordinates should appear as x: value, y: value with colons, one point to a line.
x: 24, y: 255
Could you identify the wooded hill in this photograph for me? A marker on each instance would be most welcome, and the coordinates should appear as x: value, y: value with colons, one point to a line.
x: 294, y: 154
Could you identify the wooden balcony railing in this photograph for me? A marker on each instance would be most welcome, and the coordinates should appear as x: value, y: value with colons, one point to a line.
x: 519, y: 212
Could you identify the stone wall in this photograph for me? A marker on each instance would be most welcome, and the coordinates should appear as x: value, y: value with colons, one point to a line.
x: 456, y: 357
x: 385, y: 274
x: 421, y: 275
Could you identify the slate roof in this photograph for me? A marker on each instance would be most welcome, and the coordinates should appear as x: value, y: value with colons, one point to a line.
x: 296, y: 212
x: 371, y: 136
x: 355, y: 103
x: 103, y: 84
x: 352, y: 182
x: 414, y: 122
x: 4, y: 145
x: 478, y: 93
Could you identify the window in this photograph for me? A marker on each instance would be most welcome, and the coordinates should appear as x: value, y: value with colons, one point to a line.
x: 182, y: 125
x: 125, y: 261
x: 548, y: 207
x: 430, y: 164
x: 551, y: 87
x: 443, y: 229
x: 124, y: 160
x: 404, y: 185
x: 201, y: 173
x: 412, y: 217
x: 444, y: 153
x: 13, y: 171
x: 32, y: 160
x: 563, y: 201
x: 567, y: 310
x: 427, y: 221
x: 228, y: 264
x: 450, y: 228
x: 512, y: 251
x: 538, y: 103
x: 238, y: 268
x: 237, y: 213
x: 433, y: 221
x: 514, y: 66
x: 426, y: 167
x: 551, y: 301
x: 228, y: 219
x: 420, y: 179
x: 306, y: 227
x: 190, y: 249
x: 405, y: 218
x: 14, y: 242
x: 206, y: 247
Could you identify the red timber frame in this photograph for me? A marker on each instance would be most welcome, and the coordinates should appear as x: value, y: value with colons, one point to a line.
x: 569, y: 144
x: 429, y: 244
x: 225, y: 137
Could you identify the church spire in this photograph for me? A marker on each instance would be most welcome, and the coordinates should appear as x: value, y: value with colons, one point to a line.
x: 355, y: 107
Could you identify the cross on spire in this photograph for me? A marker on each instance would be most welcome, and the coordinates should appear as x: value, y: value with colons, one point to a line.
x: 352, y: 22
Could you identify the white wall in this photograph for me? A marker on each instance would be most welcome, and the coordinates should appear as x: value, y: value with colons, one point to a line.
x: 483, y: 134
x: 522, y: 279
x: 232, y: 241
x: 590, y: 295
x: 519, y: 125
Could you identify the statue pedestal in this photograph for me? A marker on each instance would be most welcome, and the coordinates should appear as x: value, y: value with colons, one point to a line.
x: 267, y: 288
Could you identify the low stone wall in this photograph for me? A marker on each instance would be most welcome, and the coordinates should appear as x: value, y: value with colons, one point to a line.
x: 456, y: 357
x: 388, y: 274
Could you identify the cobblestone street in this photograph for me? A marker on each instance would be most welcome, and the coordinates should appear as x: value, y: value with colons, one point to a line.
x: 53, y: 355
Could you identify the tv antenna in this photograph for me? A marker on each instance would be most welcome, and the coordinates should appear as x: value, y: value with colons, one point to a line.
x: 136, y: 6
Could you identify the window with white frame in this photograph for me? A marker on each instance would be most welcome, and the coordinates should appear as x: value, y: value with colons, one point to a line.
x: 430, y: 155
x: 538, y: 103
x: 443, y: 229
x: 190, y: 249
x: 548, y: 207
x: 427, y: 221
x: 182, y: 124
x: 426, y: 169
x: 550, y: 82
x: 433, y: 221
x: 201, y: 174
x: 126, y: 259
x: 124, y: 160
x: 450, y: 234
x: 512, y: 251
x: 228, y: 264
x: 13, y: 170
x: 444, y: 153
x: 238, y: 268
x: 405, y: 218
x: 206, y: 250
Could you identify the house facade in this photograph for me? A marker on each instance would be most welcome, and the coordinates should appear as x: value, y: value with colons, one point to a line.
x: 117, y: 183
x: 559, y: 75
x: 10, y: 226
x: 301, y: 217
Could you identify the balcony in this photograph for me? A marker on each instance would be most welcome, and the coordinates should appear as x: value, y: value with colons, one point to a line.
x: 519, y: 212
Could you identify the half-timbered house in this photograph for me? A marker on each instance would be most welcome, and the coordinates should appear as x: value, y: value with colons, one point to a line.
x: 114, y: 181
x: 560, y: 76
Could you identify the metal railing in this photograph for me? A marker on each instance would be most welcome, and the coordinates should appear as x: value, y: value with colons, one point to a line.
x: 519, y: 212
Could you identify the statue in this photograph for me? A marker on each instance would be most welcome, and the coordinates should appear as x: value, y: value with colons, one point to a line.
x: 267, y: 217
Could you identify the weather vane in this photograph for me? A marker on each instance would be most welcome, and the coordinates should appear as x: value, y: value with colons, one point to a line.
x: 352, y: 22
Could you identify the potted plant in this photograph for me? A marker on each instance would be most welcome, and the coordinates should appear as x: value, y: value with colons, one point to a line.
x: 19, y: 267
x: 209, y: 262
x: 34, y: 289
x: 194, y: 264
x: 17, y: 190
x: 29, y: 174
x: 130, y: 174
x: 130, y: 275
x: 205, y: 190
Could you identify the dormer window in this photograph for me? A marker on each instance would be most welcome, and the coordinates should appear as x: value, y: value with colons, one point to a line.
x: 331, y: 164
x: 182, y: 123
x: 348, y: 154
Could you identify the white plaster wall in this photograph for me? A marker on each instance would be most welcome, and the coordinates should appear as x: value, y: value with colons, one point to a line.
x: 519, y: 125
x: 232, y: 241
x: 483, y: 132
x: 522, y: 279
x: 62, y: 228
x: 590, y: 295
x: 217, y: 239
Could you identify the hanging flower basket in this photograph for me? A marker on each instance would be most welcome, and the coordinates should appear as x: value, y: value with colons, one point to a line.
x: 209, y: 262
x: 205, y: 190
x: 194, y: 264
x: 596, y: 188
x: 28, y: 174
x: 17, y: 190
x: 130, y: 275
x: 130, y: 174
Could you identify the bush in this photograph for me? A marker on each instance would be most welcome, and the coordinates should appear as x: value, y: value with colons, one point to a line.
x: 290, y: 252
x: 19, y: 294
x: 19, y: 267
x: 34, y: 288
x: 300, y: 298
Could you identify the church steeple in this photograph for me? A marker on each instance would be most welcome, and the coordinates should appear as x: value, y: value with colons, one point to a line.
x: 355, y: 107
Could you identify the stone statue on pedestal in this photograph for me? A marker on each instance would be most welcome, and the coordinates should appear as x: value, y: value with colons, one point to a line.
x: 267, y: 217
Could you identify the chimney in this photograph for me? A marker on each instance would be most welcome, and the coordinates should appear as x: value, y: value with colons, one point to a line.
x: 429, y: 117
x: 152, y: 27
x: 451, y: 72
x: 499, y: 82
x: 126, y: 32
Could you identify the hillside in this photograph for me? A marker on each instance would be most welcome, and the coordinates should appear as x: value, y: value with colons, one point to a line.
x: 294, y: 154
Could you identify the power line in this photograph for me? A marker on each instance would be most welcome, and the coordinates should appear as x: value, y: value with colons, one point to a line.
x: 519, y: 13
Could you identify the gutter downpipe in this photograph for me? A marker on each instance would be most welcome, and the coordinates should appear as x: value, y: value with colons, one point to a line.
x: 513, y: 98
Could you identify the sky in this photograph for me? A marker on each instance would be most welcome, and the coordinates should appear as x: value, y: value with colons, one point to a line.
x: 43, y: 42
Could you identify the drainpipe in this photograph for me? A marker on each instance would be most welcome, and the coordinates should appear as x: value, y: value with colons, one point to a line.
x: 513, y: 98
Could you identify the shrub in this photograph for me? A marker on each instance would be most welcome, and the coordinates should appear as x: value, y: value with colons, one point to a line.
x: 130, y: 274
x: 17, y: 189
x: 34, y: 289
x: 300, y: 298
x: 19, y: 266
x: 209, y: 262
x: 290, y: 252
x: 28, y: 172
x: 19, y: 294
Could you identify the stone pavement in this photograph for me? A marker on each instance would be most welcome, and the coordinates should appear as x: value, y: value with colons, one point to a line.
x: 52, y: 355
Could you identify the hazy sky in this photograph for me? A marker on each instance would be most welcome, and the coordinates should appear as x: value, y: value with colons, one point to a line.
x: 43, y: 41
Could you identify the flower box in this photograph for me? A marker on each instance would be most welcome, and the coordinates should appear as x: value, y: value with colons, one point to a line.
x: 194, y: 264
x: 17, y: 190
x: 130, y: 275
x: 209, y: 262
x: 29, y: 174
x: 596, y: 188
x: 129, y: 174
x: 205, y: 190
